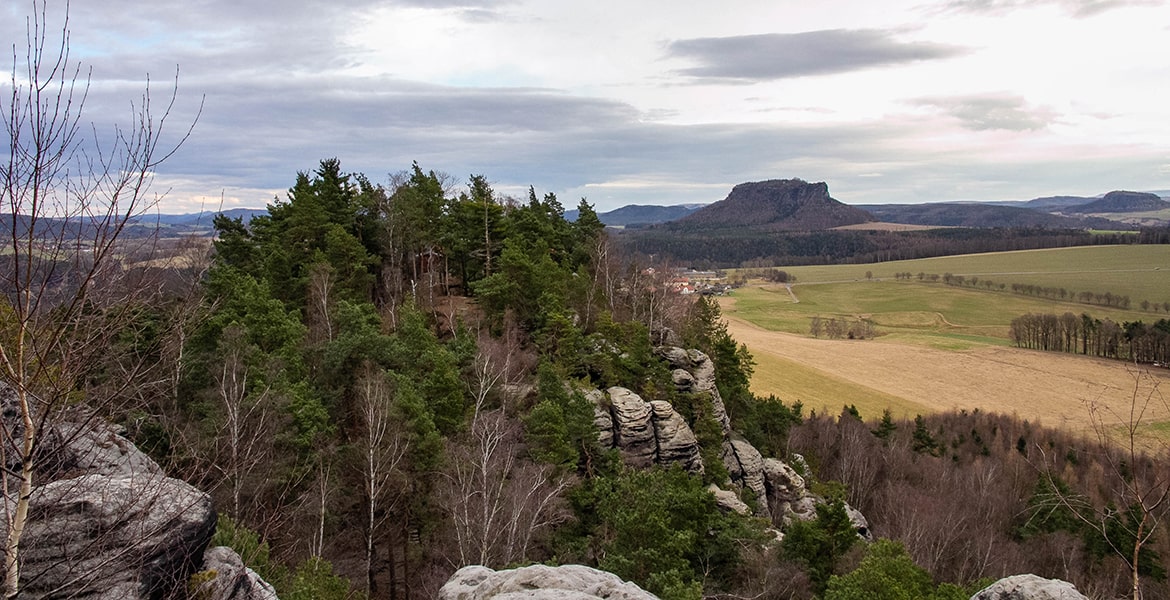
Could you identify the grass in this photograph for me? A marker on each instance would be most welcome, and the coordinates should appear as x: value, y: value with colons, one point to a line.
x: 817, y: 391
x: 1140, y: 271
x: 943, y: 347
x: 907, y: 307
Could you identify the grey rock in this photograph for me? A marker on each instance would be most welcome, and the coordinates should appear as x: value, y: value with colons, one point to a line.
x: 728, y: 500
x: 683, y: 380
x: 567, y: 582
x: 676, y: 442
x: 229, y: 579
x: 745, y: 464
x: 635, y: 430
x: 646, y: 433
x: 98, y: 449
x: 104, y: 537
x: 860, y: 523
x: 1029, y: 587
x: 788, y: 498
x: 602, y: 419
x: 699, y: 378
x: 783, y: 482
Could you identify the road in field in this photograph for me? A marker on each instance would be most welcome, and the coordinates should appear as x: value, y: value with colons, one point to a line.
x: 1051, y: 388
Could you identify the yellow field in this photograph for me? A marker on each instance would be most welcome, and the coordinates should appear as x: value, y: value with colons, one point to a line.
x: 945, y: 348
x: 1043, y: 387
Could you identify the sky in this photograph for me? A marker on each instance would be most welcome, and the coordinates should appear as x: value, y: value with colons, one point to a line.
x: 636, y: 102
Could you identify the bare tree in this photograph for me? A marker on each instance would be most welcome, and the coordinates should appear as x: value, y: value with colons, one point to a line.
x: 69, y: 199
x: 245, y: 437
x: 1136, y: 489
x: 383, y: 445
x: 497, y: 499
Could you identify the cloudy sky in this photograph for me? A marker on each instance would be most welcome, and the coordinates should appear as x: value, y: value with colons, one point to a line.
x: 642, y: 102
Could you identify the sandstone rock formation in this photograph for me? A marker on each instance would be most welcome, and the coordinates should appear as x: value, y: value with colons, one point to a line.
x: 646, y: 433
x: 567, y: 582
x: 653, y: 433
x: 226, y: 578
x: 104, y: 520
x: 1029, y: 587
x: 694, y: 373
x: 728, y: 500
x: 111, y: 536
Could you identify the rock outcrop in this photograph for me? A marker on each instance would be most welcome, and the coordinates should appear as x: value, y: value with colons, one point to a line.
x: 539, y: 582
x: 224, y: 577
x: 113, y: 536
x: 653, y: 433
x: 646, y: 433
x: 104, y: 521
x: 1029, y: 587
x: 694, y: 373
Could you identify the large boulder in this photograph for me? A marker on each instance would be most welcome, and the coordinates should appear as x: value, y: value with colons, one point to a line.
x: 677, y: 444
x: 745, y: 464
x: 104, y: 537
x: 1029, y: 587
x: 788, y: 498
x: 224, y: 577
x: 632, y: 420
x: 728, y: 500
x: 646, y: 433
x: 539, y: 582
x: 104, y: 521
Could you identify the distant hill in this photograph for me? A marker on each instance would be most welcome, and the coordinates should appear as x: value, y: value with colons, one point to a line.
x: 201, y: 219
x: 145, y: 226
x: 947, y: 214
x: 638, y: 214
x: 775, y: 205
x: 1122, y: 202
x: 1056, y: 202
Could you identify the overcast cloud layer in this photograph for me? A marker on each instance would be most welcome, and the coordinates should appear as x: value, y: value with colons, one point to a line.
x: 661, y: 102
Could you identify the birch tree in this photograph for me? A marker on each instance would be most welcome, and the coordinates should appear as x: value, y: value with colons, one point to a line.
x: 70, y: 197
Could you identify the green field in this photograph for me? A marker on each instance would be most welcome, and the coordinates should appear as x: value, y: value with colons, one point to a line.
x: 943, y: 347
x: 1141, y: 272
x: 940, y: 314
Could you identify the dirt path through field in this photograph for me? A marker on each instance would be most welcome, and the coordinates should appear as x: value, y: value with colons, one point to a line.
x: 1054, y: 389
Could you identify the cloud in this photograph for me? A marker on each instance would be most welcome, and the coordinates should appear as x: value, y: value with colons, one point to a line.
x: 992, y: 112
x: 1077, y: 8
x: 784, y: 55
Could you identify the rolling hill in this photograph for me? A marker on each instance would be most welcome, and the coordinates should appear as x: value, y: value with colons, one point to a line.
x: 946, y: 214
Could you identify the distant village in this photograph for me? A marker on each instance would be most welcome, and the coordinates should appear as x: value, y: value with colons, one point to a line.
x: 708, y: 283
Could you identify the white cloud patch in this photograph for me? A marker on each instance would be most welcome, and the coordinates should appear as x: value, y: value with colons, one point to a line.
x: 1076, y: 8
x: 992, y: 112
x: 784, y: 55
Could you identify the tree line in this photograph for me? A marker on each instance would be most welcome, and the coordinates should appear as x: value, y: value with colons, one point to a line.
x: 746, y: 246
x: 1108, y: 299
x: 1133, y: 341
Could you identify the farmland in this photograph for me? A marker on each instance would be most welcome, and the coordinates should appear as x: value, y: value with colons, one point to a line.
x: 943, y: 347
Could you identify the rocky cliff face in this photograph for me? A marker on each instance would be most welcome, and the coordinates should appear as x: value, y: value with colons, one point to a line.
x: 653, y: 433
x: 104, y: 521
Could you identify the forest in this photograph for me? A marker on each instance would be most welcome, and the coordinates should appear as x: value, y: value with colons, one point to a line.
x: 749, y: 246
x: 379, y: 384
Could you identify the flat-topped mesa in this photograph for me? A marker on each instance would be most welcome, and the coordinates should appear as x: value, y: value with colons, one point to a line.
x: 778, y: 204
